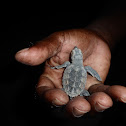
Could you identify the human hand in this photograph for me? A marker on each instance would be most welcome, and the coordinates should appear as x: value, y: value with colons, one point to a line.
x: 55, y: 50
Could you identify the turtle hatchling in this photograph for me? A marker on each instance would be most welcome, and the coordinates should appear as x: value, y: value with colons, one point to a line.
x: 75, y: 75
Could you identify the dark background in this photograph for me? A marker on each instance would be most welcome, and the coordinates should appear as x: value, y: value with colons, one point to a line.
x: 19, y: 103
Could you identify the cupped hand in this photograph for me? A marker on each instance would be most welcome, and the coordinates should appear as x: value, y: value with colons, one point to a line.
x: 55, y: 50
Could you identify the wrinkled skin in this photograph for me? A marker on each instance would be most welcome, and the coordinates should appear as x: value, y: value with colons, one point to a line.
x: 55, y: 50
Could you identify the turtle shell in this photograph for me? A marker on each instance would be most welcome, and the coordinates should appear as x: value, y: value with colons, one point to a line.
x: 74, y: 80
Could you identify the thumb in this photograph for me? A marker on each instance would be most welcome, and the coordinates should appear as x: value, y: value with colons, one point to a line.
x: 41, y: 51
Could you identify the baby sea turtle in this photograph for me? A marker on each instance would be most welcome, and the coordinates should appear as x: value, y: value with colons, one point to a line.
x: 75, y: 75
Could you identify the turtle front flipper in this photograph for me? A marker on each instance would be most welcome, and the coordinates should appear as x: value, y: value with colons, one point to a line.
x: 67, y: 63
x: 92, y: 72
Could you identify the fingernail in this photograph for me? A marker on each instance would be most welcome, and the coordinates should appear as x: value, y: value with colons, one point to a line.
x: 20, y: 54
x: 99, y: 107
x: 122, y: 99
x: 77, y: 112
x: 56, y: 102
x: 23, y: 50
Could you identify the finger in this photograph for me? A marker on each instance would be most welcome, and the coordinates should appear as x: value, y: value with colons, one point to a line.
x: 44, y: 84
x: 46, y: 89
x: 117, y: 92
x: 56, y: 97
x: 100, y: 101
x: 41, y: 51
x: 78, y: 106
x: 98, y: 88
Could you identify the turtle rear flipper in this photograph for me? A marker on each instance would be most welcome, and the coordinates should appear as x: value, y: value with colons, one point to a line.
x: 85, y: 93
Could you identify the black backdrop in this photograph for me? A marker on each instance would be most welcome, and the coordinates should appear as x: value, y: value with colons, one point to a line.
x: 20, y: 106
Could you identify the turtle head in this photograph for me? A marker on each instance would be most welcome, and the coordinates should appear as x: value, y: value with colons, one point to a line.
x: 76, y: 55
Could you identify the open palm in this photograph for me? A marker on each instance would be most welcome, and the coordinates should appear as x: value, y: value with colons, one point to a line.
x: 55, y: 50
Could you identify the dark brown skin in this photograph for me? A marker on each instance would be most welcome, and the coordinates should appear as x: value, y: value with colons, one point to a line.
x: 55, y: 50
x: 95, y: 42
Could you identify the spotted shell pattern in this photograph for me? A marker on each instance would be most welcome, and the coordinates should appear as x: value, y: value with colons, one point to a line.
x: 74, y: 80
